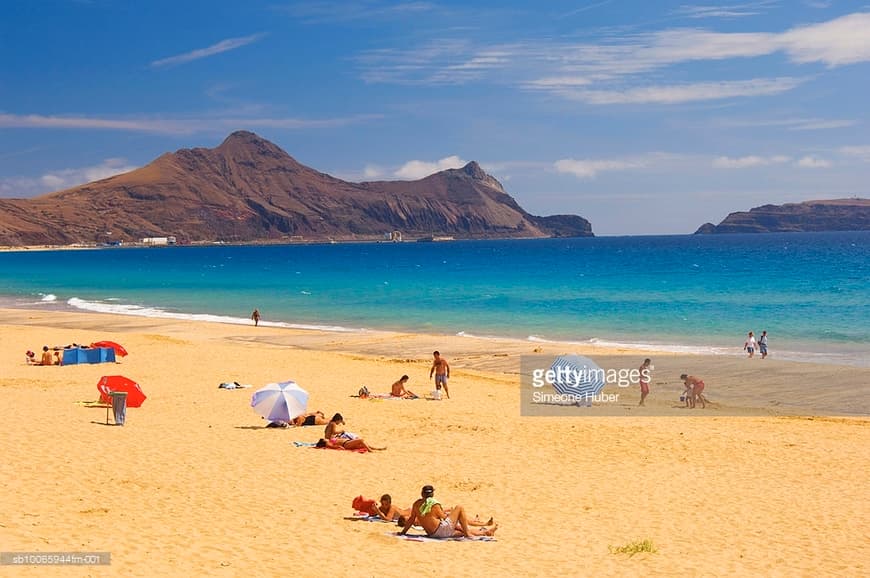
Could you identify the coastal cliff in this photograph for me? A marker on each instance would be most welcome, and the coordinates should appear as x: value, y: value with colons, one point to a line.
x: 249, y: 190
x: 829, y: 215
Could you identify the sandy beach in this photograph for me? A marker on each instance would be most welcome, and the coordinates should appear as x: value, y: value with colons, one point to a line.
x: 768, y: 480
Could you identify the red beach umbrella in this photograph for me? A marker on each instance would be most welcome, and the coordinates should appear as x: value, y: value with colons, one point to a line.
x: 119, y: 349
x: 110, y: 383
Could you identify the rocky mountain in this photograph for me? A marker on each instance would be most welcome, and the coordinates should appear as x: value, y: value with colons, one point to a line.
x: 831, y: 215
x: 249, y: 190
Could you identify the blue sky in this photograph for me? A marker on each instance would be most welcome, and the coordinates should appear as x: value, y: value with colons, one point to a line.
x: 645, y: 117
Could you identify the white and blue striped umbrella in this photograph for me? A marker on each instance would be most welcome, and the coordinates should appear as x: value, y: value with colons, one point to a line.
x: 280, y: 401
x: 577, y: 375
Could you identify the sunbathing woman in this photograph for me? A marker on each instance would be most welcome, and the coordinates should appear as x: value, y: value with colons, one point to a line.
x: 310, y: 418
x: 356, y: 444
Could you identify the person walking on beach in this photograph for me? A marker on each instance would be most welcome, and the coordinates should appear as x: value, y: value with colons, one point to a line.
x: 697, y: 390
x: 645, y: 377
x: 762, y: 344
x: 441, y: 369
x: 750, y: 344
x: 256, y: 317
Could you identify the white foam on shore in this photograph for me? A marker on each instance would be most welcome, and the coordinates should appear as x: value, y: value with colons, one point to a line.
x: 49, y: 297
x: 158, y: 313
x: 110, y: 306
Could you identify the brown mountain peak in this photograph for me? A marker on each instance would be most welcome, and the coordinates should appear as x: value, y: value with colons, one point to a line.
x: 243, y: 144
x: 474, y: 171
x: 248, y: 189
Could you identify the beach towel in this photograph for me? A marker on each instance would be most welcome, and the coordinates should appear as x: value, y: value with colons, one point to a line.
x: 232, y: 385
x: 417, y: 537
x: 363, y: 517
x: 359, y: 451
x: 304, y: 444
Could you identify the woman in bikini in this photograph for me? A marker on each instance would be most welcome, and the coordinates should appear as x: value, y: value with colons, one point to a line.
x: 345, y: 444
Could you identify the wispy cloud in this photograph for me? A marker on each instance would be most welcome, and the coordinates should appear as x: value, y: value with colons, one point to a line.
x: 418, y: 169
x: 861, y: 152
x: 56, y: 180
x: 359, y: 11
x: 787, y: 123
x: 811, y: 162
x: 589, y: 168
x: 723, y: 10
x: 685, y: 92
x: 609, y: 70
x: 177, y: 126
x: 749, y: 161
x: 222, y: 46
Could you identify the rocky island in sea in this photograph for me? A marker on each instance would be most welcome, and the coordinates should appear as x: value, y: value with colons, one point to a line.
x: 810, y: 216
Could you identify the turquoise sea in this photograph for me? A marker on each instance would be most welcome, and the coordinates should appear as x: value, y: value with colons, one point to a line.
x: 810, y: 291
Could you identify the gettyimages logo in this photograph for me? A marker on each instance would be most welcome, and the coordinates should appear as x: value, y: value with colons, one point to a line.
x: 570, y: 381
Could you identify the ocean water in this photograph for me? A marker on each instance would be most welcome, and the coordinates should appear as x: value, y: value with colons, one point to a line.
x: 810, y: 291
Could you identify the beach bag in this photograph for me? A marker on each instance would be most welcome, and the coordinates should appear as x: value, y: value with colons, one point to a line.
x: 436, y: 394
x: 361, y: 504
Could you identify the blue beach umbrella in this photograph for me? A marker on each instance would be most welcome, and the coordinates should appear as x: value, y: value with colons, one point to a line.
x: 577, y: 375
x: 280, y: 401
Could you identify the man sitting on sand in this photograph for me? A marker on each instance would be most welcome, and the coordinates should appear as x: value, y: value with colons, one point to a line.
x: 697, y: 386
x: 334, y: 429
x: 398, y: 389
x: 428, y: 513
x: 47, y: 359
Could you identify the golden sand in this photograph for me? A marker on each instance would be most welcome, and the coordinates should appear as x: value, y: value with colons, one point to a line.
x: 194, y: 485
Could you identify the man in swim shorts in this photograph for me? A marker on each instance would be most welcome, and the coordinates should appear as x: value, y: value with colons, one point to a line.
x: 428, y: 513
x: 441, y: 369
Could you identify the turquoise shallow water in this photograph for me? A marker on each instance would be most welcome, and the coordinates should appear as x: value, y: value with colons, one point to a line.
x: 810, y: 291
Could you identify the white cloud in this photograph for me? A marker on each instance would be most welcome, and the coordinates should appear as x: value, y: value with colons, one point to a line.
x: 66, y: 178
x: 24, y: 187
x: 413, y: 170
x: 811, y: 162
x: 748, y: 161
x: 589, y: 168
x: 844, y: 40
x: 222, y: 46
x: 686, y: 92
x: 371, y: 172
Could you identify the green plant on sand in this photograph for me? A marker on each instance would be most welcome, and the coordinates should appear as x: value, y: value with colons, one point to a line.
x: 635, y: 547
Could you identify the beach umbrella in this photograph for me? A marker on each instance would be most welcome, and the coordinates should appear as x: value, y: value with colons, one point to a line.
x: 577, y: 375
x: 280, y: 401
x: 119, y: 349
x: 110, y: 383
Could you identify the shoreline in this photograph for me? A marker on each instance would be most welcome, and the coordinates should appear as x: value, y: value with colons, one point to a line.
x: 832, y: 357
x: 738, y: 385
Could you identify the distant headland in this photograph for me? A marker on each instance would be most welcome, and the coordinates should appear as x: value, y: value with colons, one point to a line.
x: 831, y: 215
